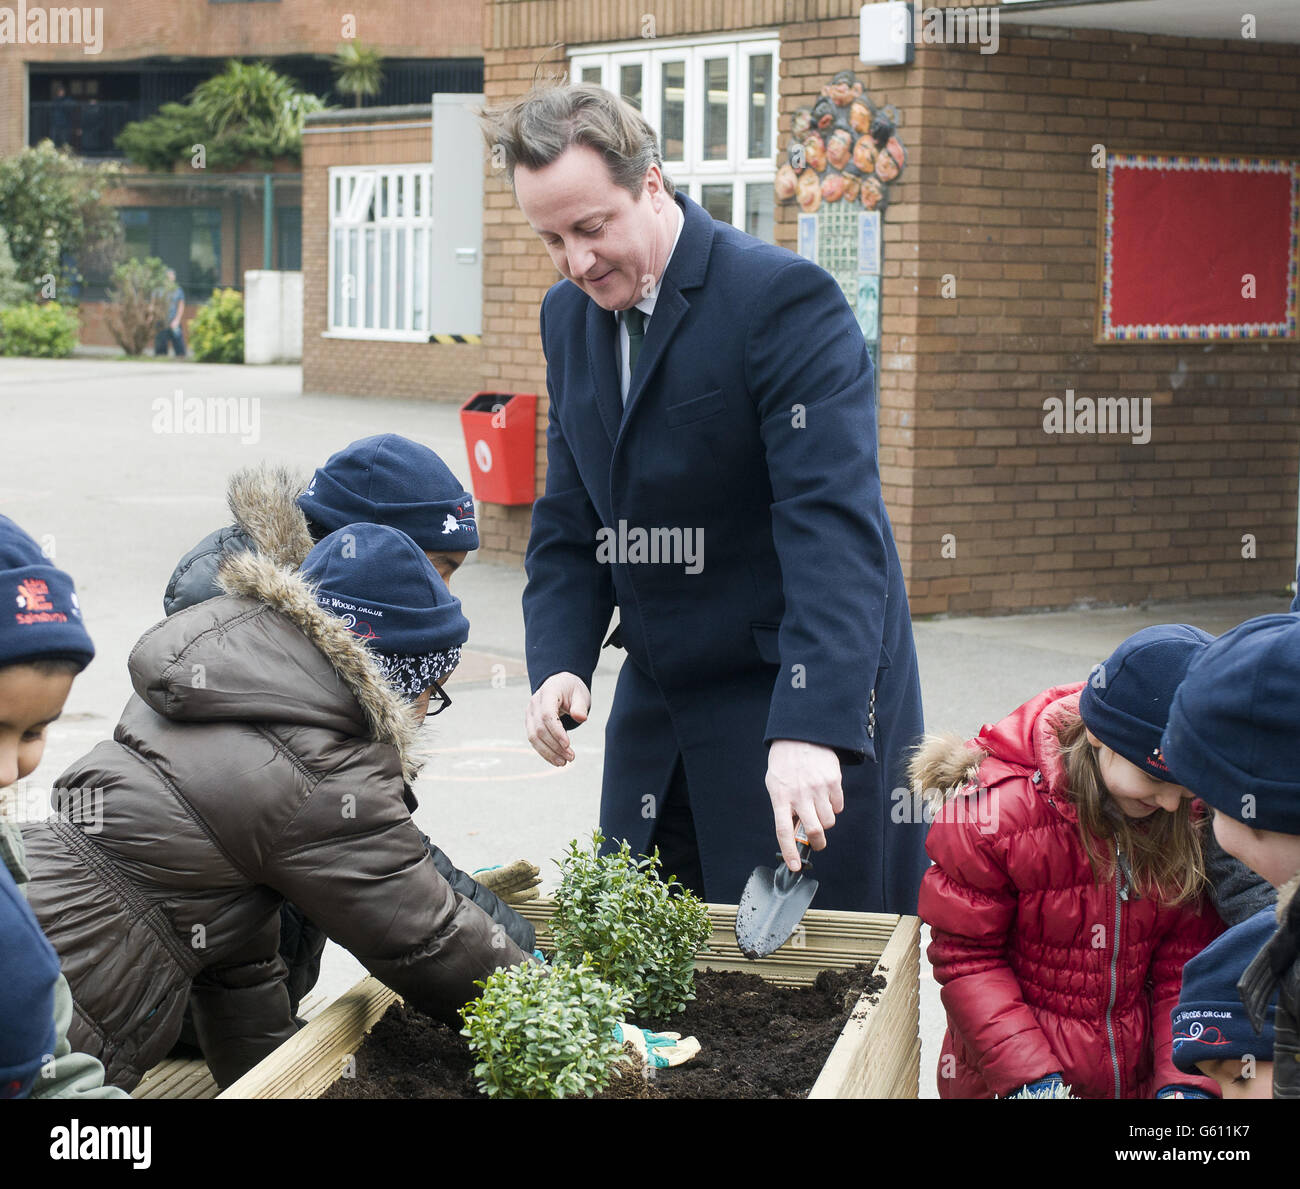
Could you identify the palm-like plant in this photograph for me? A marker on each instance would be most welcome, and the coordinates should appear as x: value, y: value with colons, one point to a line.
x: 252, y: 102
x: 358, y: 70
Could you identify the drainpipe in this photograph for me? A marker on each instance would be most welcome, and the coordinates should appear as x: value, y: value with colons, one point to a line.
x: 267, y: 226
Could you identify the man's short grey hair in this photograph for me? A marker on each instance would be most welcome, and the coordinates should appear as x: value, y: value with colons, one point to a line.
x: 534, y: 130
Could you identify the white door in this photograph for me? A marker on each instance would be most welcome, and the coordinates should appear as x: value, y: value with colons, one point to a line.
x: 456, y: 304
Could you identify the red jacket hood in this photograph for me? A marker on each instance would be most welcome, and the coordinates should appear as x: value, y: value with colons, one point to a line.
x: 1025, y: 742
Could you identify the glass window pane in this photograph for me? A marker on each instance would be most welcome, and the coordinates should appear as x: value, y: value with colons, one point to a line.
x: 385, y: 279
x: 760, y: 106
x: 399, y: 252
x: 417, y: 281
x: 353, y: 281
x: 715, y: 109
x: 759, y: 206
x: 717, y: 201
x: 629, y: 84
x: 591, y: 74
x: 672, y: 111
x: 337, y: 320
x: 369, y: 323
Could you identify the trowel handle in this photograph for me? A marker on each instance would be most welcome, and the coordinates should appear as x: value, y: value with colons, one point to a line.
x: 805, y: 851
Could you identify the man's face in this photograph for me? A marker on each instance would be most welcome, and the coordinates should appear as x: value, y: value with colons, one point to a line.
x: 609, y: 244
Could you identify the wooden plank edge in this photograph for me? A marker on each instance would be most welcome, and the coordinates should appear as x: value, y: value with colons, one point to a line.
x: 307, y: 1064
x: 872, y: 1056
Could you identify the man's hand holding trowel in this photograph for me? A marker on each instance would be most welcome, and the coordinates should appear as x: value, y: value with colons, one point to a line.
x: 774, y: 902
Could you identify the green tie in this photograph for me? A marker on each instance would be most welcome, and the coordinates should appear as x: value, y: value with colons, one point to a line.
x: 635, y: 321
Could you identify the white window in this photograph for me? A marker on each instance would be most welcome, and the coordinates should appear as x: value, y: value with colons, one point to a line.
x: 381, y: 224
x: 714, y: 103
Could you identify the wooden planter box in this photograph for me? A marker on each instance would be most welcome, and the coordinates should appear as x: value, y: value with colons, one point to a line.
x: 878, y: 1054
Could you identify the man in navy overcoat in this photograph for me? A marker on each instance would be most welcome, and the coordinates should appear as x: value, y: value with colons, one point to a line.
x: 712, y: 475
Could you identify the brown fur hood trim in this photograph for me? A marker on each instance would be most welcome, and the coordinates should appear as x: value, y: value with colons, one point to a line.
x: 942, y: 765
x: 391, y: 719
x: 263, y: 500
x: 1285, y: 894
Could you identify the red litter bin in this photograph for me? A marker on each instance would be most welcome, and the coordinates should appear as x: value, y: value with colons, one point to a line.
x: 501, y: 441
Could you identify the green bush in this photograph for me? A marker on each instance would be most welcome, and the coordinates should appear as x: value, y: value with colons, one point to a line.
x: 12, y: 290
x: 217, y: 331
x: 544, y: 1032
x: 637, y: 931
x: 54, y: 207
x: 48, y: 331
x: 137, y: 303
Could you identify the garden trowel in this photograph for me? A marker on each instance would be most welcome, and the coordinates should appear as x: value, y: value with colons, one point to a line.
x: 773, y: 904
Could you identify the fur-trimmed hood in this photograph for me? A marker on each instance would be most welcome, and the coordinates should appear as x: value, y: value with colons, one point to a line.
x: 263, y: 499
x: 1025, y: 741
x: 283, y: 659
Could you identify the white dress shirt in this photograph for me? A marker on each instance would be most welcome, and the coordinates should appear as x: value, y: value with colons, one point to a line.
x: 647, y: 306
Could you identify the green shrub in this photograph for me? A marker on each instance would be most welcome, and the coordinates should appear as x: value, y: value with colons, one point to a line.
x: 54, y: 208
x: 137, y: 303
x: 544, y: 1032
x: 217, y: 331
x: 12, y: 290
x: 638, y: 932
x: 48, y: 331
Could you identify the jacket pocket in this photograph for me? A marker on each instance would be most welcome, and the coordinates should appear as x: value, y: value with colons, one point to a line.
x: 767, y: 639
x: 696, y: 409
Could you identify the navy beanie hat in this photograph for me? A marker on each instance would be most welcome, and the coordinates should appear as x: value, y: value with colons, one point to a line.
x: 1126, y: 701
x: 1235, y: 722
x: 1210, y: 1021
x: 389, y: 479
x: 380, y: 584
x: 31, y: 969
x: 40, y: 618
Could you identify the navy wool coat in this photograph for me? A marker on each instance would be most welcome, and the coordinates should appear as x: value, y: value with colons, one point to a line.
x: 751, y: 421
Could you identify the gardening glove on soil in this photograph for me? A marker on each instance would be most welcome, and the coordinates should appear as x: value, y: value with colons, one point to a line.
x: 658, y: 1050
x: 514, y: 884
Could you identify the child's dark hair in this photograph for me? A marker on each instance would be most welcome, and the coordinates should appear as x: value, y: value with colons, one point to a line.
x: 1164, y: 850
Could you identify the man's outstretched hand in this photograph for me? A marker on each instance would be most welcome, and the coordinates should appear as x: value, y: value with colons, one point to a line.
x: 803, y: 781
x: 561, y: 693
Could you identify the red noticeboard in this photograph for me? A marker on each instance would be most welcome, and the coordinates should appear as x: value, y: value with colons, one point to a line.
x: 1198, y: 248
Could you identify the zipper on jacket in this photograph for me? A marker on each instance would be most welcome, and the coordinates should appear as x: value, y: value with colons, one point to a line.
x: 1121, y: 895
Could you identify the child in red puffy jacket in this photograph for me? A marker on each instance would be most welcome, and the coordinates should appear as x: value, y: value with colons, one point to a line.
x: 1068, y: 887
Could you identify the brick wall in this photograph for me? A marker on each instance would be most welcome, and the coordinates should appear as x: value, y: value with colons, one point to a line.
x: 135, y: 29
x: 360, y: 367
x: 1000, y: 194
x: 1001, y: 154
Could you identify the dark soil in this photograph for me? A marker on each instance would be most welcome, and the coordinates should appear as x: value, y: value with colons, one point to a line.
x: 756, y: 1041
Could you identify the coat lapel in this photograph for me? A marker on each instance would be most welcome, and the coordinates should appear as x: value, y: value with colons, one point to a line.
x: 686, y: 269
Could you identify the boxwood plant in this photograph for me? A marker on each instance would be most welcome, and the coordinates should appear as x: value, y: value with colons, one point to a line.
x: 636, y: 930
x: 544, y: 1032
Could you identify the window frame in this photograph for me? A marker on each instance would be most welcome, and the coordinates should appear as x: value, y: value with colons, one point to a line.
x: 363, y: 198
x: 692, y: 171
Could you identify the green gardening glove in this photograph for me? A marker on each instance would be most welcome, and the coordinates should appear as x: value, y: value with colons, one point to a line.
x: 658, y: 1050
